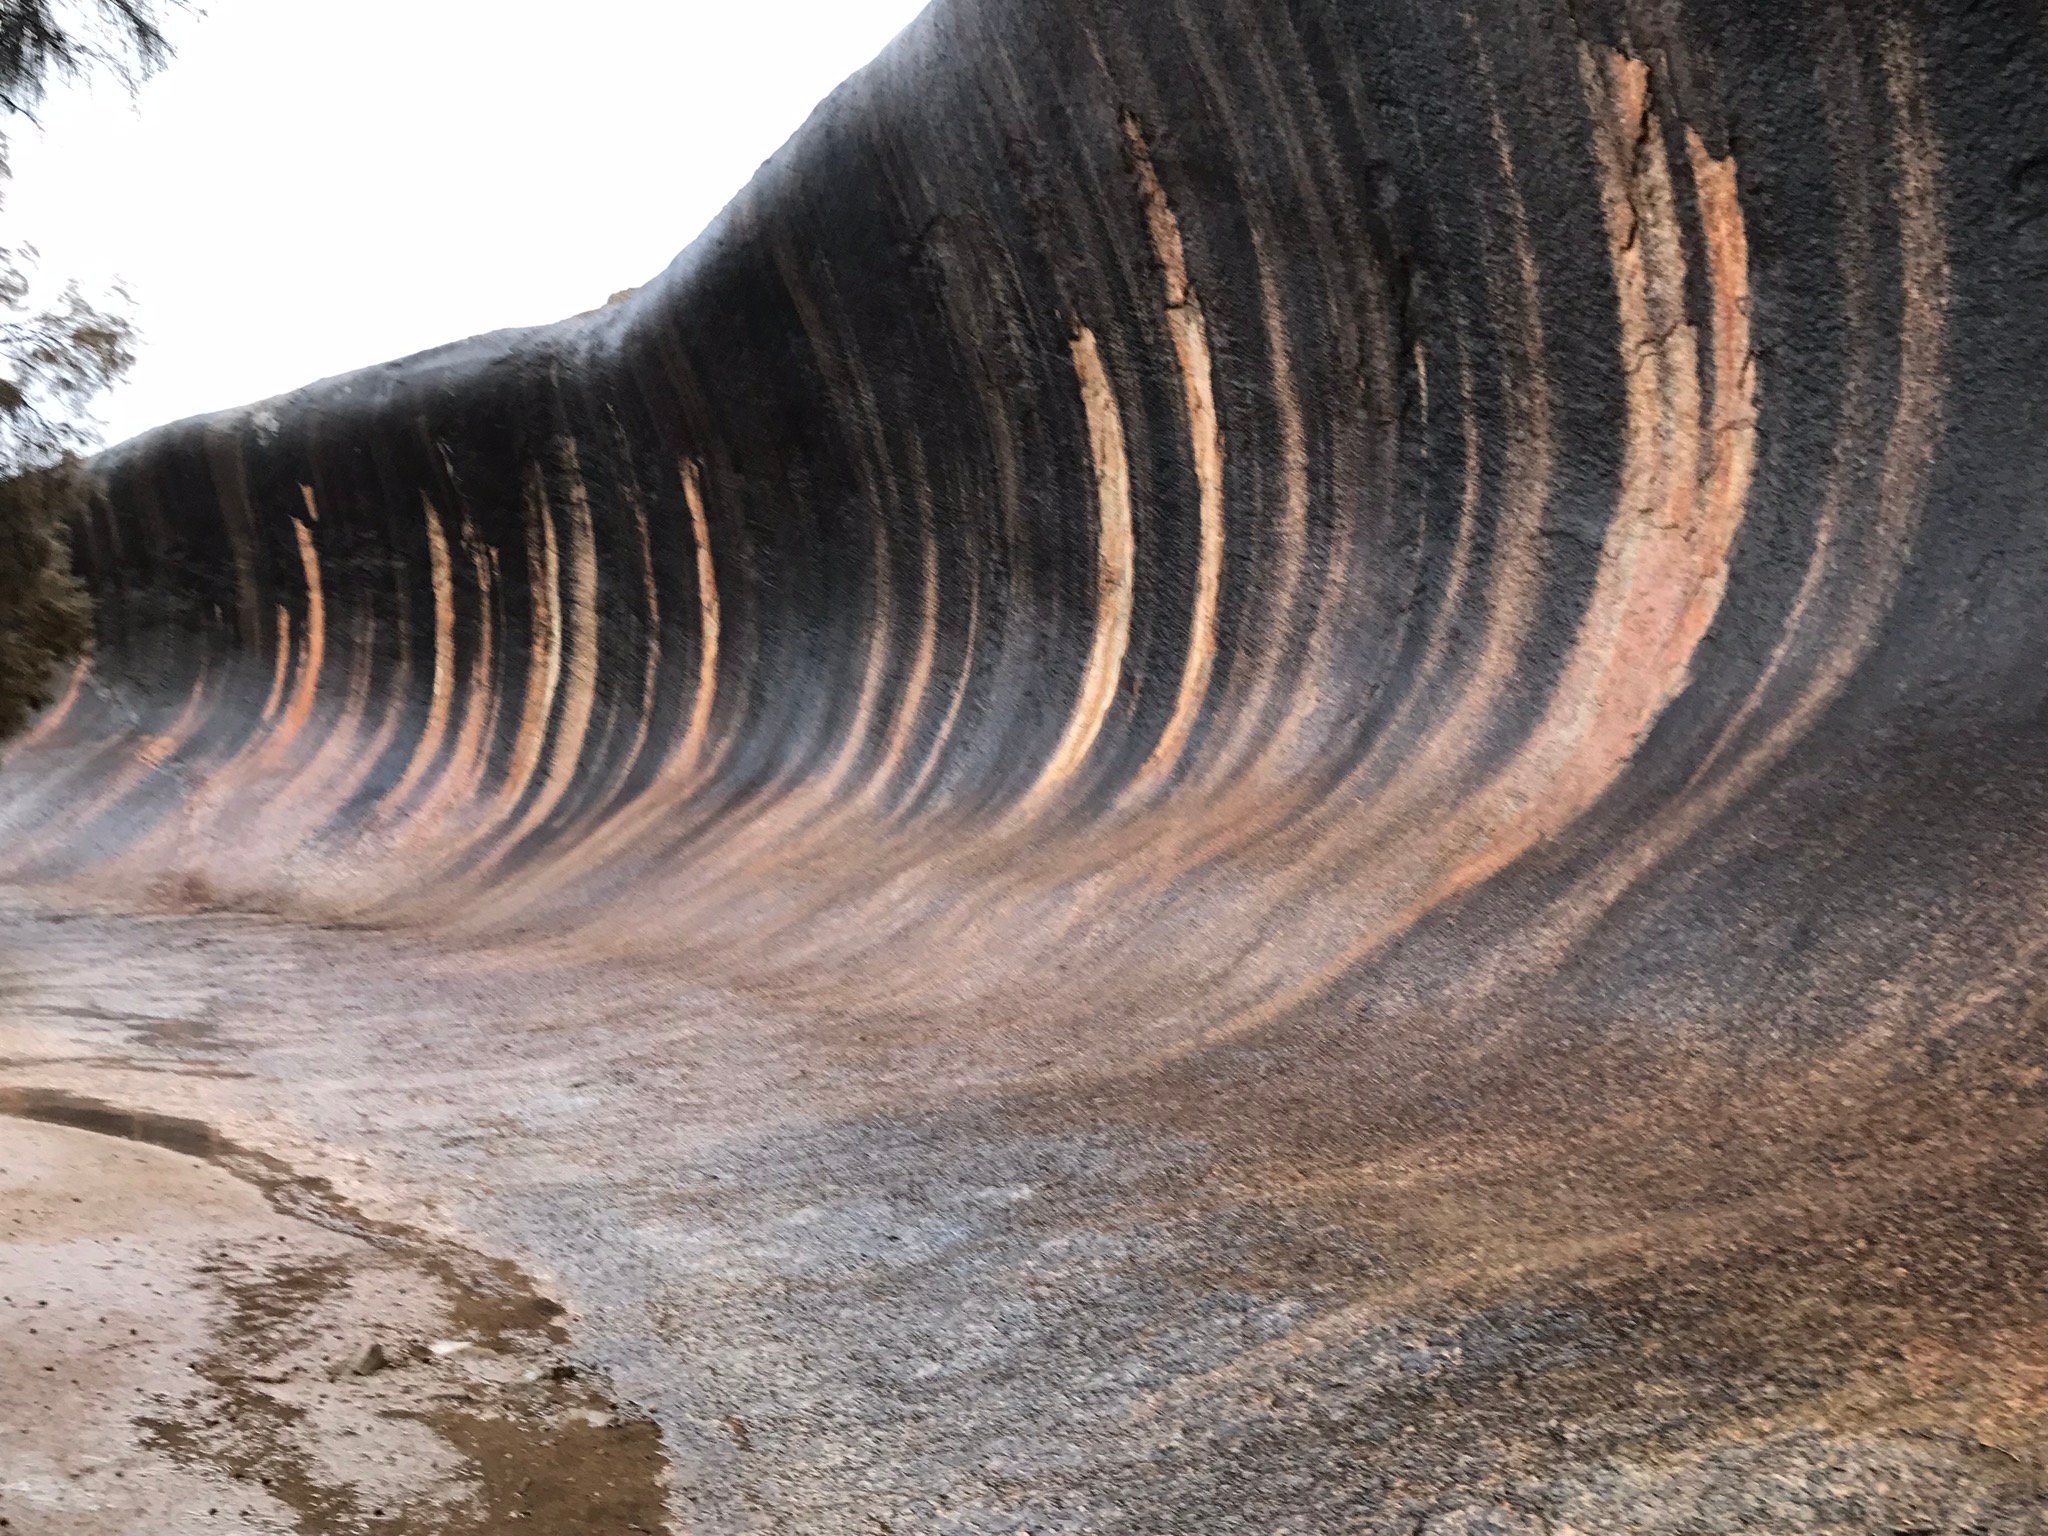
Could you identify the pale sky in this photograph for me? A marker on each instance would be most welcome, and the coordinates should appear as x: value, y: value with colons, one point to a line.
x: 316, y: 185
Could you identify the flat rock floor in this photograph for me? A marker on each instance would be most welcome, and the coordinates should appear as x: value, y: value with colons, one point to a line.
x: 892, y: 1283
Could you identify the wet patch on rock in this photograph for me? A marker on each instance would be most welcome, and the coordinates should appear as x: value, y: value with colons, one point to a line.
x: 210, y: 1342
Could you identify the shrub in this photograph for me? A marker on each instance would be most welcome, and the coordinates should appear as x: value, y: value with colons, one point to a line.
x: 45, y: 619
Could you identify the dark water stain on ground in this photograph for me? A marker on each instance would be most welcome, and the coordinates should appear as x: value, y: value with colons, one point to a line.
x: 511, y: 1435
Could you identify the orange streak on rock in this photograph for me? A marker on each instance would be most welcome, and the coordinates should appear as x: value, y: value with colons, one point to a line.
x: 1113, y: 573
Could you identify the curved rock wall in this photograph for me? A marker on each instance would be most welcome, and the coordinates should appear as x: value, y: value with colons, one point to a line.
x: 1439, y: 600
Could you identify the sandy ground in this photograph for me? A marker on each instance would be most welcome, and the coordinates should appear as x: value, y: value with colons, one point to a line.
x: 104, y: 1254
x: 190, y: 1348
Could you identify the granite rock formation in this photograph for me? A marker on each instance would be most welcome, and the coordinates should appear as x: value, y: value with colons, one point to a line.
x: 1344, y: 702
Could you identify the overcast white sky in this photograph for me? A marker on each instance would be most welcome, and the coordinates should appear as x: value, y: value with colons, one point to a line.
x: 315, y: 185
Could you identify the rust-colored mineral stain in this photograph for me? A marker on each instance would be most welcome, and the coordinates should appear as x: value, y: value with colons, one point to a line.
x: 704, y: 698
x: 1205, y: 436
x: 1103, y: 669
x: 440, y: 575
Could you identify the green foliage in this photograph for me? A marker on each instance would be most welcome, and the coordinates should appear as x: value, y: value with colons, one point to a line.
x: 41, y: 40
x: 45, y: 620
x: 55, y: 359
x: 56, y: 356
